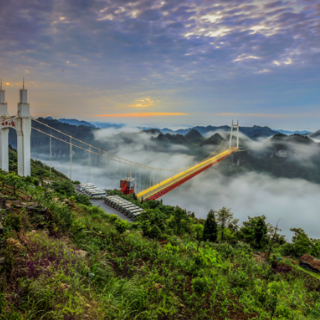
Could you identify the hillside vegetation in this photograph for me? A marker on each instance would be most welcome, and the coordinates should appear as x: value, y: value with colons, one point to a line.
x: 63, y: 259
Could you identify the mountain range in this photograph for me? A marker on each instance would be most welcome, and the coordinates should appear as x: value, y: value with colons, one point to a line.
x: 99, y: 125
x: 293, y: 132
x: 252, y: 132
x: 280, y: 155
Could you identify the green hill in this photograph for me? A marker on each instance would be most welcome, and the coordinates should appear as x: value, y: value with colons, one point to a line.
x: 215, y: 139
x: 194, y: 136
x: 62, y: 259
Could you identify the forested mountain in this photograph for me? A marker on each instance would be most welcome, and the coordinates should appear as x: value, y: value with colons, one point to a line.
x: 40, y: 142
x: 294, y: 156
x: 252, y: 132
x: 315, y: 134
x: 215, y: 139
x: 76, y: 122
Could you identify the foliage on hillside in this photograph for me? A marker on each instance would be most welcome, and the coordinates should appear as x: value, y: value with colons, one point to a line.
x: 66, y: 260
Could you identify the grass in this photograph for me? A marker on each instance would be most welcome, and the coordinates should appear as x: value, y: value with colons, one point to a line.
x: 70, y: 262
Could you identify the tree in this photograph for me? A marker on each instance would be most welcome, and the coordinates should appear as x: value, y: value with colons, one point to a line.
x: 210, y: 231
x: 198, y: 229
x: 254, y: 231
x: 260, y: 231
x: 301, y: 244
x: 224, y: 218
x: 14, y: 181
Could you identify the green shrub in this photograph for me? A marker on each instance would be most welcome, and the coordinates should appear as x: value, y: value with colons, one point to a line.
x: 112, y: 218
x: 200, y: 285
x: 121, y: 225
x: 155, y: 232
x: 77, y: 226
x: 83, y: 199
x: 13, y: 221
x: 239, y: 279
x: 134, y: 226
x: 283, y: 311
x: 169, y: 249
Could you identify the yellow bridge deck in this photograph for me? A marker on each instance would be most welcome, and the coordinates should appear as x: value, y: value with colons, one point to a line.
x: 165, y: 186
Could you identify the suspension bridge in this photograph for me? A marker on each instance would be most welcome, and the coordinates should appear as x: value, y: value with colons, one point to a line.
x: 147, y: 182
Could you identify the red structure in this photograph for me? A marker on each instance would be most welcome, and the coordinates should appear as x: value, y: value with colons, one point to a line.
x: 127, y: 185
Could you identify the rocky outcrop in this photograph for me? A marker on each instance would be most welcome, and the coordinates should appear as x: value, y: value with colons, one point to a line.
x: 310, y: 262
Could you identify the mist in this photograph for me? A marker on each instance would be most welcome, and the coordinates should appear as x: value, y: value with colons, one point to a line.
x: 295, y: 202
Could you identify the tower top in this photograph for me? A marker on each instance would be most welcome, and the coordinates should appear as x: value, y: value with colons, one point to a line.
x: 23, y: 93
x: 2, y: 100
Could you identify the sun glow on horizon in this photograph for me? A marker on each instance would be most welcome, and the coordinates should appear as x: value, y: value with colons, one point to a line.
x: 142, y: 114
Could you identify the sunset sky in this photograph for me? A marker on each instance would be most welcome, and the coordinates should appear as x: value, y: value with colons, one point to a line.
x: 166, y: 63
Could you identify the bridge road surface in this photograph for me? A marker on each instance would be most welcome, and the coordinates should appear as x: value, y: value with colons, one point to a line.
x: 107, y: 209
x: 196, y: 169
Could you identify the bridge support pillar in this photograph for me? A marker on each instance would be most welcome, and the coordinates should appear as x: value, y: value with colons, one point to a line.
x: 4, y: 132
x: 4, y: 149
x: 23, y: 146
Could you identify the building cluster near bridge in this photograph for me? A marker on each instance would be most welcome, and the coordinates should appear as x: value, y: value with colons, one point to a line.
x: 126, y: 207
x: 92, y: 191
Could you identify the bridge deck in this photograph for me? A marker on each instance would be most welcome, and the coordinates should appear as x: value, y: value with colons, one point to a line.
x: 167, y: 185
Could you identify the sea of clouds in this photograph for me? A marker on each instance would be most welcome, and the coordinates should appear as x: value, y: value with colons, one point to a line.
x: 295, y: 202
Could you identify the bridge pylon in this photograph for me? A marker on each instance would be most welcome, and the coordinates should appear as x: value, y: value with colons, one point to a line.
x: 233, y: 125
x: 22, y: 124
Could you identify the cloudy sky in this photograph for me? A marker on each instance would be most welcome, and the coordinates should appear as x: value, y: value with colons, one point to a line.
x: 165, y: 62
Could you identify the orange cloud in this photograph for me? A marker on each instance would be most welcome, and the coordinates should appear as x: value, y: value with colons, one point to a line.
x: 142, y: 114
x: 142, y: 103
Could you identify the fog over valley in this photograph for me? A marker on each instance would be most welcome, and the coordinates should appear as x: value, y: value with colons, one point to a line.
x: 241, y: 182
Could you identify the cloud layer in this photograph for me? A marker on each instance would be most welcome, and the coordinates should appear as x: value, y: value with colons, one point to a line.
x: 296, y: 202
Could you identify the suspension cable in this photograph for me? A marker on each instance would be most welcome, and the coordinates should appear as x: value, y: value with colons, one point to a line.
x: 104, y: 151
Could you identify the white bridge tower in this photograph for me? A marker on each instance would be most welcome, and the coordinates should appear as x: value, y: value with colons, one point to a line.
x: 22, y: 124
x: 233, y: 125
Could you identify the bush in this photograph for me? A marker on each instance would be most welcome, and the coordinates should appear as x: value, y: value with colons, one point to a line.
x: 13, y: 221
x: 65, y: 188
x: 155, y: 232
x: 121, y: 226
x: 239, y: 279
x: 112, y: 218
x: 83, y: 199
x: 200, y: 285
x: 134, y: 226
